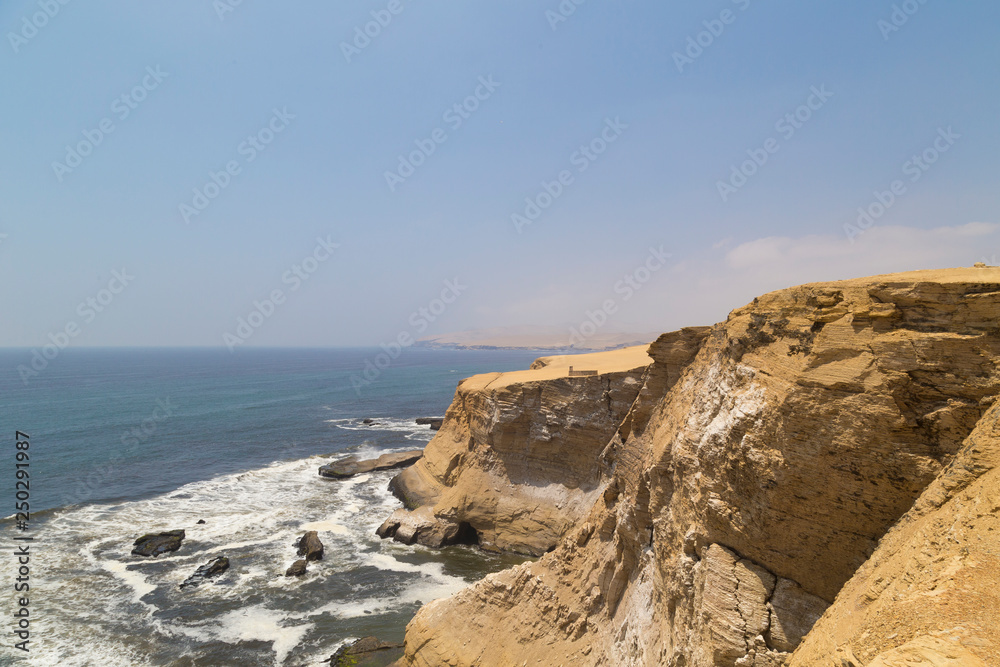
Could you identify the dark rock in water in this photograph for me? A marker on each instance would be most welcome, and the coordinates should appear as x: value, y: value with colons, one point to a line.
x: 434, y: 422
x: 368, y: 420
x: 154, y: 544
x: 297, y: 569
x: 310, y: 546
x: 201, y: 521
x: 362, y: 649
x: 350, y: 466
x: 206, y: 571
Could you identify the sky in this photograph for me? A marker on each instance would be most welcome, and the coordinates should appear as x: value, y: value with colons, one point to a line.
x: 239, y: 173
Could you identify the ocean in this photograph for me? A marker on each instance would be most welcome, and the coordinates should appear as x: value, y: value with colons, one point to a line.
x: 129, y: 441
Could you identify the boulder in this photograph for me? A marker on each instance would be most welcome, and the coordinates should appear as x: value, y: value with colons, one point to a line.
x: 310, y: 546
x: 351, y: 466
x: 297, y: 569
x: 210, y: 569
x: 422, y: 527
x: 154, y: 544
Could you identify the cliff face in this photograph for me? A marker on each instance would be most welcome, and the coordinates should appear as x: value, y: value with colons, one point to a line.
x: 734, y: 508
x: 930, y: 594
x: 516, y: 462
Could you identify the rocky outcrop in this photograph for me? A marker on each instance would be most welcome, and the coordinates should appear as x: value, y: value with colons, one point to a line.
x: 309, y: 545
x: 297, y: 569
x: 154, y: 544
x: 351, y: 465
x: 930, y: 594
x: 517, y: 462
x: 212, y: 568
x: 730, y: 511
x: 359, y: 651
x: 434, y: 422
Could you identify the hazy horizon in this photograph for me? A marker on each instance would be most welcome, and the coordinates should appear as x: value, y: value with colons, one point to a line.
x: 172, y: 171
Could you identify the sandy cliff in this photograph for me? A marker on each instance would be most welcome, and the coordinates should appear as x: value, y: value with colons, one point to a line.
x: 731, y: 508
x: 517, y: 460
x: 930, y: 594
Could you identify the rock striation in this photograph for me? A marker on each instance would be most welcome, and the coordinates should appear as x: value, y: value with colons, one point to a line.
x: 517, y: 461
x: 740, y: 491
x: 930, y: 594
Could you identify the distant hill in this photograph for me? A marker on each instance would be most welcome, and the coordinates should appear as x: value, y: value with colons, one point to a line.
x: 535, y: 338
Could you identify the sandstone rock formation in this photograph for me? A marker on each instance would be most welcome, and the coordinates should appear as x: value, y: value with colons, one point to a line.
x: 930, y: 594
x: 517, y: 461
x: 732, y: 504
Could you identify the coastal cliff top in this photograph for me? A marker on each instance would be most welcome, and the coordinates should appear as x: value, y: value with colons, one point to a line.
x: 550, y: 368
x: 971, y: 274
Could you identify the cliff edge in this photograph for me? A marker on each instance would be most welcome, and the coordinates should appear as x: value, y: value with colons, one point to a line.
x: 516, y: 462
x: 732, y: 507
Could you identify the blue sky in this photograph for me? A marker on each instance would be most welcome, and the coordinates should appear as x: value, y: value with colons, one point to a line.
x: 222, y: 76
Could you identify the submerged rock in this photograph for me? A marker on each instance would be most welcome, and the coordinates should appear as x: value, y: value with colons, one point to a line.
x: 362, y: 649
x: 310, y: 546
x: 210, y: 569
x: 350, y: 466
x: 154, y: 544
x: 297, y: 569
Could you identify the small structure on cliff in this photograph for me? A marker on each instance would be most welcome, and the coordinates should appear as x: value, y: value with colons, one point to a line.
x: 573, y: 373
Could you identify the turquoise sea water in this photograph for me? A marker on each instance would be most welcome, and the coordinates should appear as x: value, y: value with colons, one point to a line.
x: 130, y: 441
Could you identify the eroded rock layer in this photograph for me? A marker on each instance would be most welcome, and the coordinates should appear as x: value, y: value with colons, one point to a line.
x: 732, y: 510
